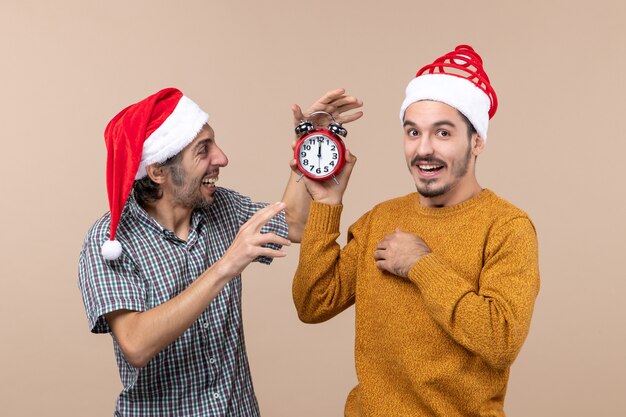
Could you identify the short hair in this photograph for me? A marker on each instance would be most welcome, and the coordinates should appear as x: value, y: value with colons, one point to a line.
x: 470, y: 127
x: 147, y: 191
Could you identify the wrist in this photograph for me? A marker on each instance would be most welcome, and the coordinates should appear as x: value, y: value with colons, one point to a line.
x: 331, y: 201
x: 324, y: 218
x: 219, y: 273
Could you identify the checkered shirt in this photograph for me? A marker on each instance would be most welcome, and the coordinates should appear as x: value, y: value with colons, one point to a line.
x: 205, y: 371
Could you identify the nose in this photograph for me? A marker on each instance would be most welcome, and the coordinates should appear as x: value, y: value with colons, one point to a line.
x: 218, y: 157
x: 425, y: 146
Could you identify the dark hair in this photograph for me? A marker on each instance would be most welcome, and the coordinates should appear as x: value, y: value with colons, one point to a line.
x: 145, y: 190
x: 470, y: 127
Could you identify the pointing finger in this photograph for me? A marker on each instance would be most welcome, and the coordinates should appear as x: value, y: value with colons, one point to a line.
x: 332, y: 95
x: 261, y: 217
x: 350, y: 117
x: 345, y: 103
x: 267, y: 238
x: 271, y: 253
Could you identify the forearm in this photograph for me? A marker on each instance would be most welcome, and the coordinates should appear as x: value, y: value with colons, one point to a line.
x: 297, y: 204
x: 491, y: 318
x: 324, y: 282
x: 142, y: 335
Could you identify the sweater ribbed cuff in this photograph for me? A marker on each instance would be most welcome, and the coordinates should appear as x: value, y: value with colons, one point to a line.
x: 324, y: 218
x: 431, y: 274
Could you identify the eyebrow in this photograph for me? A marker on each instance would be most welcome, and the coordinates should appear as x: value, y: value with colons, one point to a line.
x: 444, y: 123
x: 436, y: 124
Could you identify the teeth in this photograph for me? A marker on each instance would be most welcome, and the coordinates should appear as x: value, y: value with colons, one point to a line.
x: 428, y: 167
x: 209, y: 181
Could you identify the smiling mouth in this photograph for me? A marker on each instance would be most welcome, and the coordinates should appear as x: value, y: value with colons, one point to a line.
x: 209, y: 182
x: 429, y: 168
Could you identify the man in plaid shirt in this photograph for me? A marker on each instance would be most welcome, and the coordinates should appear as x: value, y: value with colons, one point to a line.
x: 161, y: 271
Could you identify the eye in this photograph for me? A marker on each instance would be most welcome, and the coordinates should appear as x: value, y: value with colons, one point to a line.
x: 412, y: 132
x: 202, y: 151
x: 443, y: 133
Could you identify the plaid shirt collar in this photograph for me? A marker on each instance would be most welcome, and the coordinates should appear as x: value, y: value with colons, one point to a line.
x: 132, y: 208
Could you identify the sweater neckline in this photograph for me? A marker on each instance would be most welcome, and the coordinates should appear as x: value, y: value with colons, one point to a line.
x: 467, y: 204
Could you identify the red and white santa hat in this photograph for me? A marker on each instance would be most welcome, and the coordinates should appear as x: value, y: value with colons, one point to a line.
x: 150, y: 131
x: 458, y: 80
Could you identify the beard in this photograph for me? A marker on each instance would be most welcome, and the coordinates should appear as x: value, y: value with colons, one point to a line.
x: 189, y: 195
x: 428, y: 188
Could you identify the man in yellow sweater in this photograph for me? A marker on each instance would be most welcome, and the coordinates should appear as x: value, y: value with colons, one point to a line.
x: 443, y: 280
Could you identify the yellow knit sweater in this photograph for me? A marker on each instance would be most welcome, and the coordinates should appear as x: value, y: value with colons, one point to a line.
x: 441, y: 342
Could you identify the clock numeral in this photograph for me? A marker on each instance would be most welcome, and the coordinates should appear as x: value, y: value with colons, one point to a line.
x: 318, y: 171
x: 307, y: 147
x: 325, y: 169
x: 332, y: 163
x: 335, y: 155
x: 312, y: 141
x: 332, y: 148
x: 305, y: 162
x: 303, y: 153
x: 312, y: 167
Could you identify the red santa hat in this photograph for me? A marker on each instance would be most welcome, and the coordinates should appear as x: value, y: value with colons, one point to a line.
x: 150, y: 131
x: 458, y: 80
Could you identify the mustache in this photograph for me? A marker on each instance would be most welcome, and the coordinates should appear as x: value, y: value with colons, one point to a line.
x: 427, y: 160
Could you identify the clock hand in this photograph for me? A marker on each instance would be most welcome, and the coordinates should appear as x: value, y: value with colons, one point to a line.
x: 319, y: 155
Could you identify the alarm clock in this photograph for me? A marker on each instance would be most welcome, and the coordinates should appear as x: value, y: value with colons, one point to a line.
x: 320, y: 153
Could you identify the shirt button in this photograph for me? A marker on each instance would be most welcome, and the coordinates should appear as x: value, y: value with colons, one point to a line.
x: 211, y: 361
x: 216, y: 395
x: 206, y: 325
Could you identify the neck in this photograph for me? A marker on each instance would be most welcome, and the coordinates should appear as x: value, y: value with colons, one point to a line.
x: 171, y: 216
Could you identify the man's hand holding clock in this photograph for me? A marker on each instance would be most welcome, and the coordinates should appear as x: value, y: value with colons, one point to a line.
x: 321, y: 159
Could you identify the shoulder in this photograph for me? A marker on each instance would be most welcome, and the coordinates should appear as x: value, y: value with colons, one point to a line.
x: 127, y: 231
x: 502, y: 209
x: 226, y: 194
x: 506, y: 217
x: 231, y: 204
x: 227, y: 198
x: 99, y: 232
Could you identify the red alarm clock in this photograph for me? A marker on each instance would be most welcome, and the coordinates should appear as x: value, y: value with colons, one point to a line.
x: 320, y: 153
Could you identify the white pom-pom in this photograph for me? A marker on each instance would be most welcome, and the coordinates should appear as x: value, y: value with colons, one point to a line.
x: 111, y: 250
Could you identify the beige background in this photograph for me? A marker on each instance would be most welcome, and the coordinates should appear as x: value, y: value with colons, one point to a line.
x: 556, y: 148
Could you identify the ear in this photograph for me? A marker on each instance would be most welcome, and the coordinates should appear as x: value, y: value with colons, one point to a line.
x: 156, y: 173
x: 478, y: 144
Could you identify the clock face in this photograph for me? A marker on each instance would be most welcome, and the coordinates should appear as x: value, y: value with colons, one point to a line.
x: 320, y: 155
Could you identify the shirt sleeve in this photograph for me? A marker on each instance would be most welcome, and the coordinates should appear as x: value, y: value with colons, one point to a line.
x: 493, y: 319
x: 325, y: 281
x: 246, y: 208
x: 107, y: 286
